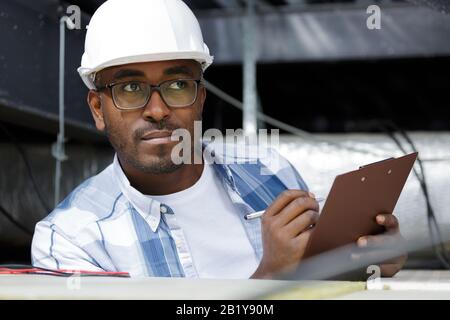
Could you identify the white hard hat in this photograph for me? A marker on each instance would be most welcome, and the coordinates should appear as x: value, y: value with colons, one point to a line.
x: 129, y: 31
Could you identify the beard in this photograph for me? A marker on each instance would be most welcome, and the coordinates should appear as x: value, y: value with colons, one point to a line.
x: 160, y: 164
x: 160, y: 161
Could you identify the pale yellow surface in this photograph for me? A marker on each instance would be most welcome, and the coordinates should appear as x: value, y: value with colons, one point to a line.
x: 405, y: 285
x: 49, y: 287
x: 318, y: 290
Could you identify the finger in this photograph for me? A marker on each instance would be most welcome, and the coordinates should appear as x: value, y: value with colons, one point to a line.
x: 302, y: 239
x: 379, y: 257
x: 398, y: 259
x: 282, y: 200
x: 387, y: 220
x: 296, y: 208
x: 301, y: 223
x: 378, y: 241
x: 389, y: 270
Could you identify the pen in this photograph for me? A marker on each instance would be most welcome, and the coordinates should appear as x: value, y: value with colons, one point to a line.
x: 258, y: 214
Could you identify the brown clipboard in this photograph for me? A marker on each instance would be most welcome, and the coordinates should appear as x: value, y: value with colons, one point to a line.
x: 355, y: 199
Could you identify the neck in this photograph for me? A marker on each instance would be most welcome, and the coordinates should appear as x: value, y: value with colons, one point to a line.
x: 163, y: 183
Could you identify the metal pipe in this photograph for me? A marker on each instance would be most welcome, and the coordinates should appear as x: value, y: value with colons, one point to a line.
x: 58, y: 149
x: 250, y: 97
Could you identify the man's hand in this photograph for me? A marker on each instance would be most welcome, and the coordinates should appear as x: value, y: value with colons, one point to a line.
x: 287, y: 225
x: 392, y: 235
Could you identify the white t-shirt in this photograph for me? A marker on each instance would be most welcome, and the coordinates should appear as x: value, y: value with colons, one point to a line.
x: 216, y: 237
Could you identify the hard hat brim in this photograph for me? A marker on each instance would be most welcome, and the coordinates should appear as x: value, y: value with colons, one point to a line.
x: 88, y: 74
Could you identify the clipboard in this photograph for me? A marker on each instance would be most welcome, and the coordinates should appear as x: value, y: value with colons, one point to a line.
x: 355, y: 199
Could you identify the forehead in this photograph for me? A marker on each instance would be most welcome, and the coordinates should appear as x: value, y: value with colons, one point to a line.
x: 151, y: 70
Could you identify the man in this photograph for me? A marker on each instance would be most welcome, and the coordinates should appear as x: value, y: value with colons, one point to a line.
x: 146, y: 214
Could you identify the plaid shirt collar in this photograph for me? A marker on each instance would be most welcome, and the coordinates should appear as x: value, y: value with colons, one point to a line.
x: 147, y: 207
x: 225, y: 158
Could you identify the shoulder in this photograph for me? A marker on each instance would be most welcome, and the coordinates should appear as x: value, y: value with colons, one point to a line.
x: 255, y: 162
x: 276, y: 164
x: 97, y: 198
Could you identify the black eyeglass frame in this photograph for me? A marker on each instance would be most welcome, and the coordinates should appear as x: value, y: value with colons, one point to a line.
x: 152, y: 88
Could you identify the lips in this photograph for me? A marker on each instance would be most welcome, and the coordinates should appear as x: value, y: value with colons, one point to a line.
x: 157, y: 137
x: 156, y: 134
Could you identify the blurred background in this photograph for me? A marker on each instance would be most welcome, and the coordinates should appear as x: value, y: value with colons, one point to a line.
x: 342, y: 94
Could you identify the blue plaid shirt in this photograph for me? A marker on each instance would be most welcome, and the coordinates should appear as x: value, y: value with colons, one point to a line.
x: 107, y: 225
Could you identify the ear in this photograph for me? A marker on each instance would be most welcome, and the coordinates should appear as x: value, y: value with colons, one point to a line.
x: 95, y: 104
x: 202, y: 97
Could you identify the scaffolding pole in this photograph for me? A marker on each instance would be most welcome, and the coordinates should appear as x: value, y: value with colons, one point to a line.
x: 58, y: 149
x: 250, y: 95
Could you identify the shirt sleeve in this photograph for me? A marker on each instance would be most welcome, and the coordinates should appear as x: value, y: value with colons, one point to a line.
x: 50, y: 249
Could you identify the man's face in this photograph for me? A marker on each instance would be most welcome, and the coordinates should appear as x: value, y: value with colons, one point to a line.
x: 141, y: 137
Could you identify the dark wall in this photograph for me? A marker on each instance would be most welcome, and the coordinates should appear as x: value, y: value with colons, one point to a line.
x: 29, y: 67
x: 349, y: 96
x: 341, y: 96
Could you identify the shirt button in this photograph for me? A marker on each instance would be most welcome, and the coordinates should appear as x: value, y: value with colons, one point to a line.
x: 163, y: 209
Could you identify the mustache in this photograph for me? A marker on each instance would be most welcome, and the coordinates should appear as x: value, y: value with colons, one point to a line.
x: 152, y: 126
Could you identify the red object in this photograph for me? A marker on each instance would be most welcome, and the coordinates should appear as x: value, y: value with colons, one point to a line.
x: 61, y: 272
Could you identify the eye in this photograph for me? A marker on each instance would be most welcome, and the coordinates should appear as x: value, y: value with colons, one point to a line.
x: 132, y: 87
x: 178, y: 85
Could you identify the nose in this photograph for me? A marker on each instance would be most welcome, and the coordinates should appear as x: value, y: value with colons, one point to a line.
x: 155, y: 109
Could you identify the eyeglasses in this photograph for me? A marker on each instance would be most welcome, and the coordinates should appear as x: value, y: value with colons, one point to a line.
x: 129, y: 95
